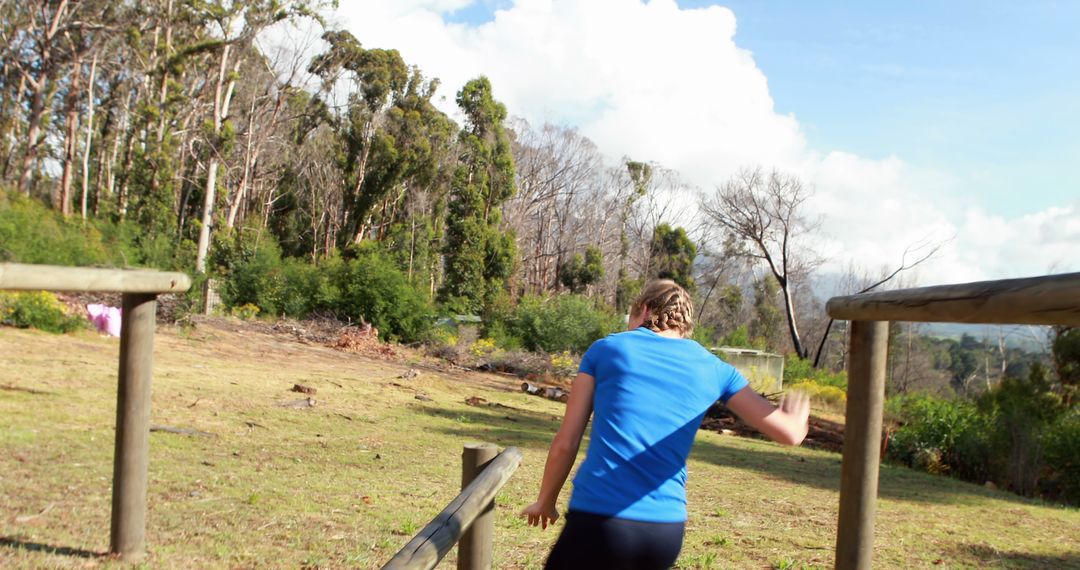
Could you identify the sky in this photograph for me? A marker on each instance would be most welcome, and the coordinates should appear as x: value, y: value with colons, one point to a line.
x: 915, y: 122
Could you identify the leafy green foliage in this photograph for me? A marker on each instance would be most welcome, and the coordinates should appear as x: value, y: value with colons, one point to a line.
x: 562, y: 322
x: 767, y: 326
x: 373, y: 288
x: 1063, y: 453
x: 580, y: 272
x: 802, y: 370
x: 673, y: 255
x: 1020, y: 434
x: 38, y: 309
x: 738, y: 338
x: 1066, y: 352
x: 30, y: 232
x: 479, y: 255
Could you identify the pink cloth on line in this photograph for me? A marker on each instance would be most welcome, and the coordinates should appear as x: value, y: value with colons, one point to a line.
x: 105, y: 319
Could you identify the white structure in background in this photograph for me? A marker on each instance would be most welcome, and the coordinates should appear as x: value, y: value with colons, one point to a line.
x: 764, y: 370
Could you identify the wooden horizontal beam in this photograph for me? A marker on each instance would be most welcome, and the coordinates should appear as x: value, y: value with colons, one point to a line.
x: 431, y: 544
x: 24, y: 277
x: 1047, y: 300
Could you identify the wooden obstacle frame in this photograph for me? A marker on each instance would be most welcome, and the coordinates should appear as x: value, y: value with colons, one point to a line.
x: 1047, y: 300
x: 139, y: 289
x: 469, y: 519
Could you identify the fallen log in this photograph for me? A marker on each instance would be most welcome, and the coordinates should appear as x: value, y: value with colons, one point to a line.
x: 549, y: 392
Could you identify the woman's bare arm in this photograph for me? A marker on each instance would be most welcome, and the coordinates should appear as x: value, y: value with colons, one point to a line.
x: 563, y: 452
x: 786, y: 424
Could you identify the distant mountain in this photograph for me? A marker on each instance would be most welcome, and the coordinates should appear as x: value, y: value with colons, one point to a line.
x: 1029, y: 338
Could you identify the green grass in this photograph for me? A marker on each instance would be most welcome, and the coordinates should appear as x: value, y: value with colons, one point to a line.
x: 346, y: 483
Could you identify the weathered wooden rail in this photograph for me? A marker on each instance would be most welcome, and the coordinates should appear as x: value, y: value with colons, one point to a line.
x: 140, y: 289
x: 1048, y: 300
x: 469, y: 519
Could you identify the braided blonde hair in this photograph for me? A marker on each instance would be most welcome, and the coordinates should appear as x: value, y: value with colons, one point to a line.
x: 669, y: 307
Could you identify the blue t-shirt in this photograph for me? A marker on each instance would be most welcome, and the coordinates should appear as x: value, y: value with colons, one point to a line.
x: 651, y: 394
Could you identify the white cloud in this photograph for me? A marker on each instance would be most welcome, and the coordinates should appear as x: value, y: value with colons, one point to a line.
x: 656, y: 82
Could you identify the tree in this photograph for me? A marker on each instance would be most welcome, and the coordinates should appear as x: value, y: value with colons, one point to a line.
x: 765, y: 213
x: 930, y: 250
x: 479, y: 254
x: 581, y: 272
x: 672, y: 255
x: 1066, y: 352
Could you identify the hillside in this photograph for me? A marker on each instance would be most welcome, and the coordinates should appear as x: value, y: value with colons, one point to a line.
x: 346, y: 482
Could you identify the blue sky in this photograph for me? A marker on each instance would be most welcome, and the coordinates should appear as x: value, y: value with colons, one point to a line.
x: 987, y: 92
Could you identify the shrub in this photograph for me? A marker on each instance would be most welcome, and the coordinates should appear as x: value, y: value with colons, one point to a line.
x: 250, y: 271
x: 373, y: 288
x: 482, y: 347
x: 563, y: 364
x: 246, y: 311
x: 829, y: 397
x: 30, y: 232
x: 798, y: 370
x: 1063, y: 458
x: 40, y: 310
x: 561, y: 322
x: 932, y: 427
x: 1024, y: 413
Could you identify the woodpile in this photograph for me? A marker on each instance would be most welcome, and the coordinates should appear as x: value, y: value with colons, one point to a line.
x: 549, y: 392
x: 823, y: 434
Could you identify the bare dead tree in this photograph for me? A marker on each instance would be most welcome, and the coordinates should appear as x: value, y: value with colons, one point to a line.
x: 765, y: 213
x: 921, y: 250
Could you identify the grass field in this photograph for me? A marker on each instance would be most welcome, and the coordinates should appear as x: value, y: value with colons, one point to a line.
x: 347, y: 482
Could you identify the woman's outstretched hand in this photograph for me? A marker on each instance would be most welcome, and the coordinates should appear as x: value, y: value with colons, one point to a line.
x: 797, y: 405
x: 539, y: 514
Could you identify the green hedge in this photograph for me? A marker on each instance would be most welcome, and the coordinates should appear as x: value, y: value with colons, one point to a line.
x: 1018, y: 435
x: 561, y: 322
x: 38, y: 309
x: 368, y: 285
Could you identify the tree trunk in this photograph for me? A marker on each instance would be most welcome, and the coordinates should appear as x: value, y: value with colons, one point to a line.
x: 71, y: 137
x: 33, y: 132
x: 42, y: 94
x: 222, y: 97
x: 89, y: 135
x: 789, y: 309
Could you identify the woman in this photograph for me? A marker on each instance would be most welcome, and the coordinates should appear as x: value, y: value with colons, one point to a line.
x: 647, y: 389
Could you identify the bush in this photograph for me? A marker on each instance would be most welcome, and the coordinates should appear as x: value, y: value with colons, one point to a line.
x: 798, y: 370
x: 1024, y: 414
x: 1019, y: 434
x: 1063, y: 458
x: 829, y: 397
x: 40, y: 310
x: 561, y: 322
x: 932, y: 429
x: 373, y: 288
x: 252, y: 272
x: 30, y: 232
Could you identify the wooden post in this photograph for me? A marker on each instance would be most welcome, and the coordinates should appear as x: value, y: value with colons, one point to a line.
x: 131, y: 459
x: 475, y: 547
x: 862, y: 441
x: 435, y: 540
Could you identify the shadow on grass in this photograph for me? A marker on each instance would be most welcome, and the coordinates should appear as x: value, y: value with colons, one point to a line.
x: 990, y: 557
x: 34, y: 391
x: 822, y: 470
x: 500, y: 424
x: 530, y: 429
x: 11, y: 542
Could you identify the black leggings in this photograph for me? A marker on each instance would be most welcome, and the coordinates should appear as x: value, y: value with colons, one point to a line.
x: 596, y: 542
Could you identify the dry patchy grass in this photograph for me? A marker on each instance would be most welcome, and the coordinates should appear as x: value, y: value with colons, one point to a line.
x: 345, y: 484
